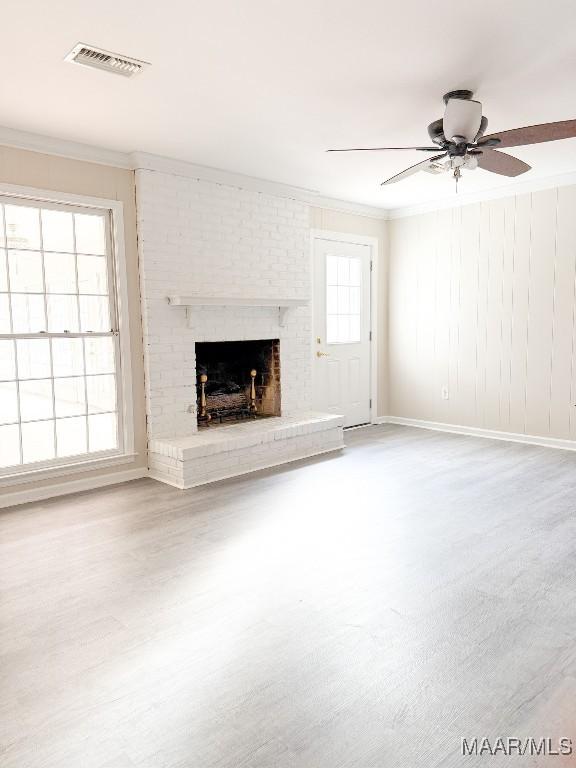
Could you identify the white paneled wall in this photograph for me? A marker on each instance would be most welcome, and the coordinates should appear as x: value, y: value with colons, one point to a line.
x: 482, y: 305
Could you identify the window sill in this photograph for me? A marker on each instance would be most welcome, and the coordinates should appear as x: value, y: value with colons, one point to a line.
x: 33, y: 474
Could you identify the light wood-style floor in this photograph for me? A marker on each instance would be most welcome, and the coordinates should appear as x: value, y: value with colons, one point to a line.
x: 366, y: 610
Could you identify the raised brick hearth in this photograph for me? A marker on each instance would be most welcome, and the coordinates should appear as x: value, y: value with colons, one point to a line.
x: 215, y: 454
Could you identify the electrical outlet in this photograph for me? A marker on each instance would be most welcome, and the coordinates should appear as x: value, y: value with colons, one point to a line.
x: 445, y: 393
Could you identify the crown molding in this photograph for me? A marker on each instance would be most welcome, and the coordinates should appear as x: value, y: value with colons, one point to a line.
x: 143, y: 161
x: 467, y: 198
x: 345, y: 206
x: 10, y: 137
x: 71, y: 150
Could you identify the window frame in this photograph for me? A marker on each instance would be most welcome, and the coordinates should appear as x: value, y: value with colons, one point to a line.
x: 113, y: 211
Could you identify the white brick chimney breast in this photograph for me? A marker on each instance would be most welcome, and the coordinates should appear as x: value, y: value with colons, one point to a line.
x: 205, y: 239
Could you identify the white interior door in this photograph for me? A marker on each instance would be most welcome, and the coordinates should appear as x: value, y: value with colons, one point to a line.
x: 342, y: 329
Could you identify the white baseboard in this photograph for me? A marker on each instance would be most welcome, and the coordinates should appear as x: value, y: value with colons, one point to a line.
x: 492, y: 434
x: 70, y: 486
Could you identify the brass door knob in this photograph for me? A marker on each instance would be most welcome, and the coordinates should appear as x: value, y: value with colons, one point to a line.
x: 322, y: 354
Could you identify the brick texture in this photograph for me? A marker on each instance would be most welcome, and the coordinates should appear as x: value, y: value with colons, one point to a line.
x: 207, y: 239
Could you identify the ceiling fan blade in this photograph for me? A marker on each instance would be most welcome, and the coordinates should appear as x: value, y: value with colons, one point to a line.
x: 534, y: 134
x: 501, y: 163
x: 413, y: 169
x: 385, y: 149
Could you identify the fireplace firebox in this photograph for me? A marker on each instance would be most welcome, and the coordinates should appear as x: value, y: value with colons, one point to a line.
x: 237, y: 380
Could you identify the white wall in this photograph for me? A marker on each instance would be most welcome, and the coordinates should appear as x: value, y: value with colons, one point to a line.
x: 482, y: 301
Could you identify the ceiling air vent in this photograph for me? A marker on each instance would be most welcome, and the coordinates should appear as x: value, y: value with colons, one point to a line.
x: 88, y: 56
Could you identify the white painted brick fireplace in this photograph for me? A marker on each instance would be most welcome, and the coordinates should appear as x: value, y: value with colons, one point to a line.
x: 206, y: 239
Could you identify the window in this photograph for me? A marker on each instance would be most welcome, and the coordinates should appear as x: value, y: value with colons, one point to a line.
x: 343, y: 299
x: 60, y: 395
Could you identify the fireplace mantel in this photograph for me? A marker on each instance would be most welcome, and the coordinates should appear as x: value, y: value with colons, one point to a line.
x: 283, y: 305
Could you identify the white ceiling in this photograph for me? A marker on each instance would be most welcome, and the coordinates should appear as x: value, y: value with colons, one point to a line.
x: 263, y: 87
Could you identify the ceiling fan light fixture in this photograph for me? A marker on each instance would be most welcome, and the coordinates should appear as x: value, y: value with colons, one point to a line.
x: 462, y: 120
x: 471, y: 162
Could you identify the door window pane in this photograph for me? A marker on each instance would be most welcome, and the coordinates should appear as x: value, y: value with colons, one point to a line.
x: 343, y: 299
x: 70, y: 396
x: 33, y: 358
x: 71, y: 436
x: 343, y: 270
x: 332, y: 270
x: 28, y: 313
x: 38, y: 441
x: 332, y: 300
x: 344, y: 328
x: 90, y: 234
x: 25, y: 271
x: 7, y: 360
x: 36, y: 400
x: 8, y: 402
x: 354, y: 326
x: 22, y: 226
x: 354, y: 301
x: 102, y: 432
x: 92, y: 274
x: 355, y: 272
x: 62, y: 313
x: 67, y: 357
x: 60, y: 272
x: 57, y: 234
x: 9, y: 445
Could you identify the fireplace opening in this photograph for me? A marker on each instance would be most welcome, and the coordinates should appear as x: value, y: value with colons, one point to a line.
x: 237, y: 380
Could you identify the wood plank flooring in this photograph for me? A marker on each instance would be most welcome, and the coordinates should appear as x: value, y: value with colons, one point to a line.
x: 365, y: 610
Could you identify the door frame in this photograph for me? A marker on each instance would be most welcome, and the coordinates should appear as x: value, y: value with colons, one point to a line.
x: 372, y: 243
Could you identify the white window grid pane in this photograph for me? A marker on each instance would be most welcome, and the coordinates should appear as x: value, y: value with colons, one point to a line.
x: 15, y: 328
x: 343, y: 299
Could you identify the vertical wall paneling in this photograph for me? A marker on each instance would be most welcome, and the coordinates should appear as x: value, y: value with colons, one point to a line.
x: 541, y: 311
x: 455, y: 275
x: 561, y: 400
x: 494, y: 311
x: 506, y: 318
x: 520, y: 302
x: 483, y: 315
x: 467, y: 352
x: 441, y: 319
